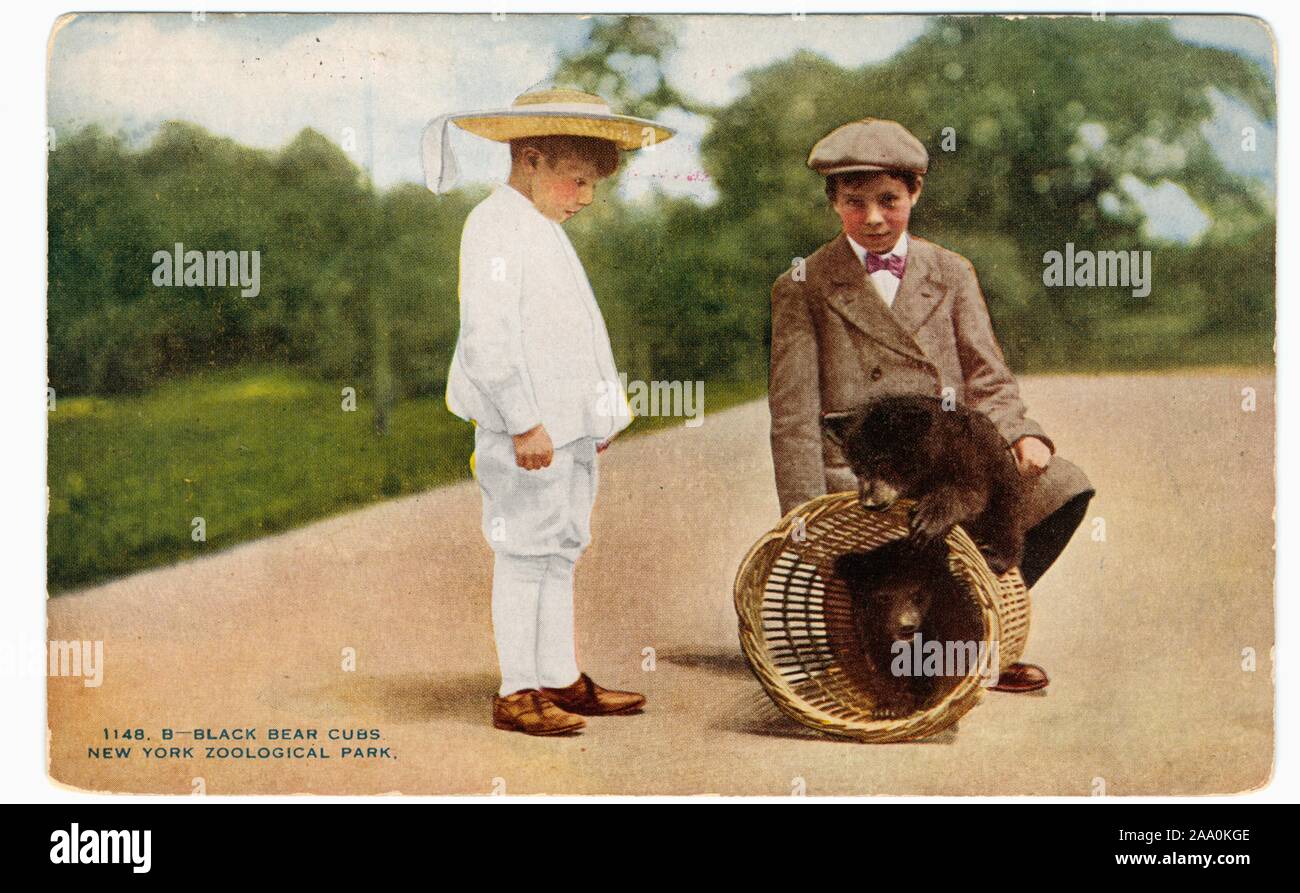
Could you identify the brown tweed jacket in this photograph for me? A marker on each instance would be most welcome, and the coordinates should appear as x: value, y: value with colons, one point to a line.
x: 836, y: 344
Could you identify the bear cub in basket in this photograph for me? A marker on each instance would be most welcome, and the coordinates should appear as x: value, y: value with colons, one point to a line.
x: 892, y: 589
x: 953, y: 462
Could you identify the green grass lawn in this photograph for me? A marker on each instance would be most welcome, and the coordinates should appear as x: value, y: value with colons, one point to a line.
x: 250, y: 452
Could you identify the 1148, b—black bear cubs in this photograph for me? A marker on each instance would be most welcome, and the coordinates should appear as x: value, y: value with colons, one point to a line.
x: 953, y: 462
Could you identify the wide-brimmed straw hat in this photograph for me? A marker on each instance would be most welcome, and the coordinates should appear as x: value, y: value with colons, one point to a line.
x: 548, y: 112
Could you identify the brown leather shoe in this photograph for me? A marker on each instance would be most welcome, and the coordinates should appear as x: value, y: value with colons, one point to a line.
x: 1021, y: 678
x: 528, y: 711
x: 589, y: 699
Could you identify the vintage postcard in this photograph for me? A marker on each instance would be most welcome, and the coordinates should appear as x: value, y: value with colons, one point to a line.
x: 661, y: 404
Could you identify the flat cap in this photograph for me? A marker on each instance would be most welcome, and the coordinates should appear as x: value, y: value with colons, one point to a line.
x: 871, y: 144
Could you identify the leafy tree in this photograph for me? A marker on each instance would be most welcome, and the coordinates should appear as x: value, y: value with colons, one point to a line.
x: 1034, y: 127
x: 623, y: 62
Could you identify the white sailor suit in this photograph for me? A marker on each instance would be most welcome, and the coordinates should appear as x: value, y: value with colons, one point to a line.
x: 533, y: 349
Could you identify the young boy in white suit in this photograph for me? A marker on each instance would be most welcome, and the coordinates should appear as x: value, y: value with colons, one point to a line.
x: 534, y: 371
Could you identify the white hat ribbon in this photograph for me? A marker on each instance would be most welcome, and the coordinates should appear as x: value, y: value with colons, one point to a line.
x: 440, y: 168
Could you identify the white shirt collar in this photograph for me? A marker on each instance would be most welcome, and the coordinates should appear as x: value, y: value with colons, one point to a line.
x: 899, y: 249
x: 515, y: 196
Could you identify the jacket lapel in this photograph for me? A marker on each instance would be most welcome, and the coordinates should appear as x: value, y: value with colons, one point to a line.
x: 854, y: 297
x: 921, y: 291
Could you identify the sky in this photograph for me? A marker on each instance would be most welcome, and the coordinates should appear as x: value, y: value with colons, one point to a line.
x: 372, y: 82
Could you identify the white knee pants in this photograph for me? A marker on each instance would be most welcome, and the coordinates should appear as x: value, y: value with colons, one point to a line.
x: 538, y: 523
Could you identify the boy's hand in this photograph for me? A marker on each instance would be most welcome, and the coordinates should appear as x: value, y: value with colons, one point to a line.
x: 533, y: 449
x: 1032, y: 456
x: 604, y: 444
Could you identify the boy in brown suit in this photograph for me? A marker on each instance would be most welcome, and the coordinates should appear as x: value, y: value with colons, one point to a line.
x: 878, y: 311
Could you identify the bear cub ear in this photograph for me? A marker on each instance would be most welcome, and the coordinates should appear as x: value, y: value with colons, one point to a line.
x: 894, y: 560
x: 875, y: 567
x: 837, y: 426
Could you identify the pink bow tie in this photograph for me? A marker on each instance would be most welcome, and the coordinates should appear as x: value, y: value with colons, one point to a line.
x: 891, y: 262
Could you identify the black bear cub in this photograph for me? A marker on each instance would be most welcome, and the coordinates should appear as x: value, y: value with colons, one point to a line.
x: 953, y: 462
x: 892, y: 589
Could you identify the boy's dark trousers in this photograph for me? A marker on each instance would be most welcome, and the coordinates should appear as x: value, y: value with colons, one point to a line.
x: 1046, y: 540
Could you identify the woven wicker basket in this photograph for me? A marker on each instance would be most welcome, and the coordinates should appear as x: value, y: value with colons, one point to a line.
x: 797, y: 632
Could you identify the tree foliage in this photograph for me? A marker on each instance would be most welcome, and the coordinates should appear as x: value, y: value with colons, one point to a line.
x: 1034, y: 127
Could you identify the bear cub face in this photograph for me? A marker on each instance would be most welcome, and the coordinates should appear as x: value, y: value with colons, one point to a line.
x: 886, y: 445
x: 951, y: 461
x: 892, y: 589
